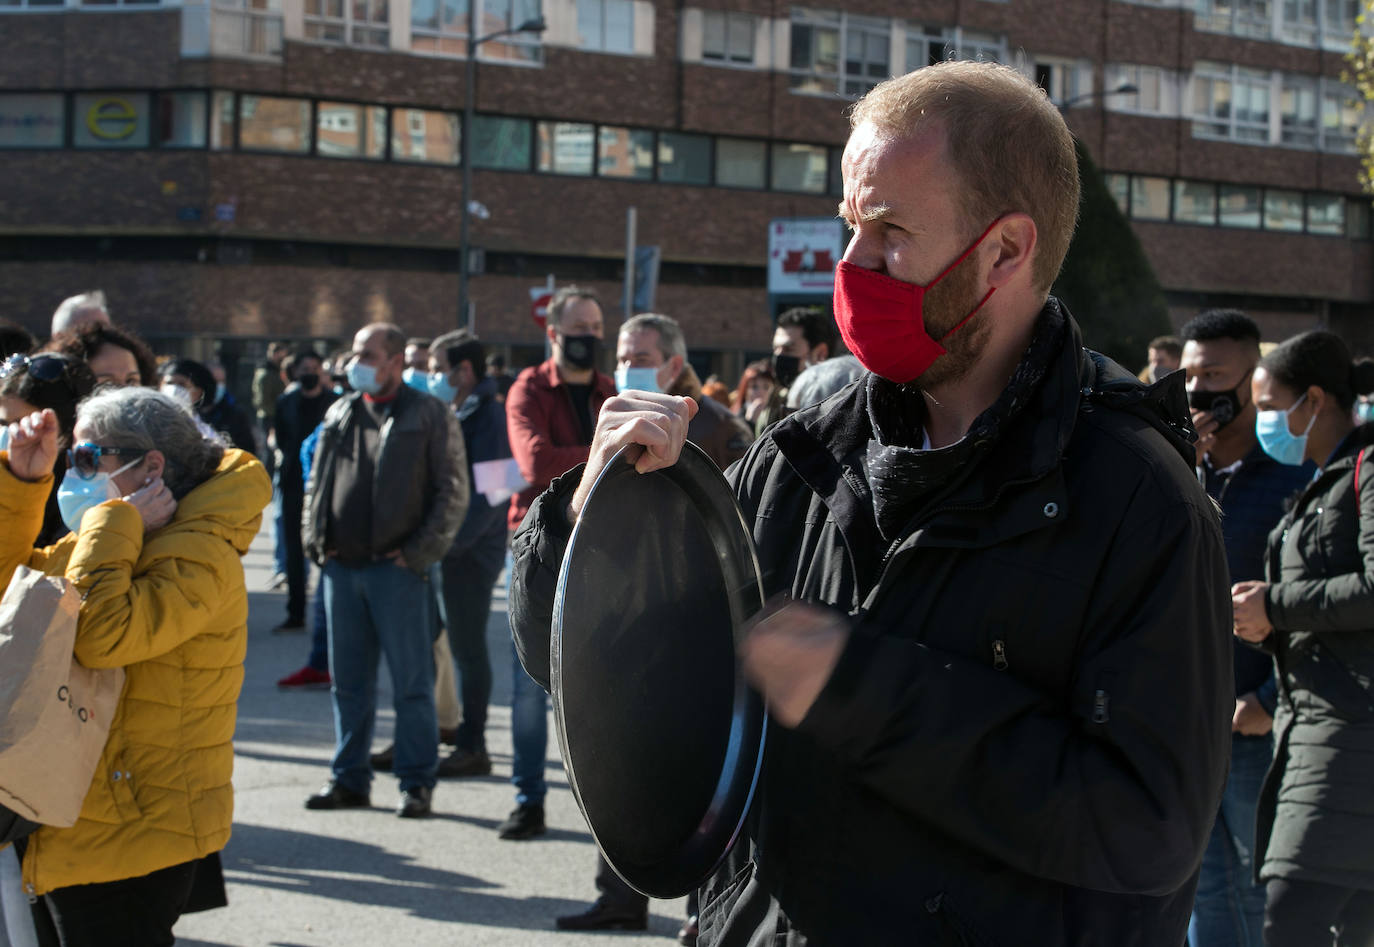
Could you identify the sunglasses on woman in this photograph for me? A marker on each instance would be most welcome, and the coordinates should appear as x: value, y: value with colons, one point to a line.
x: 84, y: 458
x: 41, y: 367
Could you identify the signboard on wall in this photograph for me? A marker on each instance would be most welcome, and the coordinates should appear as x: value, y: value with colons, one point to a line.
x: 31, y: 121
x: 110, y: 120
x: 802, y: 253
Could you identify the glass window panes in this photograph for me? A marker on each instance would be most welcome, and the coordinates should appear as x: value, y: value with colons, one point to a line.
x: 1282, y: 210
x: 501, y: 143
x: 182, y: 118
x: 111, y: 120
x: 740, y: 162
x: 1119, y: 187
x: 1252, y: 105
x: 1298, y: 111
x: 683, y: 158
x: 32, y: 121
x: 1357, y: 218
x: 866, y: 61
x: 799, y: 168
x: 727, y: 37
x: 425, y: 136
x: 565, y: 147
x: 1150, y: 198
x: 1195, y: 202
x: 1239, y: 206
x: 222, y: 120
x: 1341, y: 113
x: 836, y: 172
x: 625, y: 153
x: 346, y: 130
x: 268, y: 123
x: 815, y: 54
x: 1326, y: 214
x: 606, y: 25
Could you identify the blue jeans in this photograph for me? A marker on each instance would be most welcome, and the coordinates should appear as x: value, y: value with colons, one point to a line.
x: 1229, y: 909
x: 319, y: 630
x: 381, y: 608
x: 529, y: 728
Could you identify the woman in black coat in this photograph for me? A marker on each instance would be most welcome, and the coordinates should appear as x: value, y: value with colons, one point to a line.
x: 1315, y: 614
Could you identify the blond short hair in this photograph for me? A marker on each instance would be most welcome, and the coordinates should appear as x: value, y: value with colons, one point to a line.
x: 1006, y: 140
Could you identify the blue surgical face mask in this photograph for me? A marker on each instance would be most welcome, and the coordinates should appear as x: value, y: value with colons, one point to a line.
x: 640, y: 379
x: 1364, y: 412
x: 441, y: 388
x: 4, y: 437
x: 75, y: 496
x: 416, y: 379
x: 363, y: 378
x: 1280, y: 443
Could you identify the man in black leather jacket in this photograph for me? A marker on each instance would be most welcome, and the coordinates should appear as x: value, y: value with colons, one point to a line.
x: 1002, y: 692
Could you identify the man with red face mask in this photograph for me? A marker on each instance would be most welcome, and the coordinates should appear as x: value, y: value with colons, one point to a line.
x: 1001, y: 694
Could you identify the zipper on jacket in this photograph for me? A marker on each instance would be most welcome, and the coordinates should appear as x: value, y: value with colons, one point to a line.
x: 999, y: 655
x: 1101, y: 703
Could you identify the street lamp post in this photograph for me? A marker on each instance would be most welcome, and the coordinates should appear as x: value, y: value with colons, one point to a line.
x: 535, y: 25
x: 1124, y: 89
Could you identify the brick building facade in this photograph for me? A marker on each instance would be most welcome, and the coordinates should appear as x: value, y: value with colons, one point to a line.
x: 233, y: 173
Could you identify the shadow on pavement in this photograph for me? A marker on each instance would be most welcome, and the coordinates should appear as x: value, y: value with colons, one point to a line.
x: 360, y: 873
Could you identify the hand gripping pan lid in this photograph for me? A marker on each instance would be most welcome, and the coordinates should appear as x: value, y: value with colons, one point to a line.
x: 662, y: 738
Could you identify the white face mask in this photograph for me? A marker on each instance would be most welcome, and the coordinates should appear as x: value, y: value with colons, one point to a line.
x: 180, y: 395
x: 75, y: 495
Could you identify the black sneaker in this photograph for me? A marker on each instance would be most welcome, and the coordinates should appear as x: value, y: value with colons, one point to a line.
x: 335, y: 796
x: 288, y: 626
x: 414, y: 802
x: 462, y: 762
x: 525, y: 821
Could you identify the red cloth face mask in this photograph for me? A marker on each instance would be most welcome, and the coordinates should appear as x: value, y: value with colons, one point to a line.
x: 882, y: 323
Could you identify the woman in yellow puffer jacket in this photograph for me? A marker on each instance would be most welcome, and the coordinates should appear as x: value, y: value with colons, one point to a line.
x: 160, y: 517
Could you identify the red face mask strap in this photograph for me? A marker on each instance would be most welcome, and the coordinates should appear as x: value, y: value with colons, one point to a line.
x: 965, y: 255
x: 964, y: 322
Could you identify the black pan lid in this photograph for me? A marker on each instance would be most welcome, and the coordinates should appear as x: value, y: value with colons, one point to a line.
x: 662, y: 737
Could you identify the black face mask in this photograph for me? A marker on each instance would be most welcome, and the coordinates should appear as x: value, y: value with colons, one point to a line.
x: 786, y: 368
x: 308, y: 380
x: 1224, y: 406
x: 580, y: 351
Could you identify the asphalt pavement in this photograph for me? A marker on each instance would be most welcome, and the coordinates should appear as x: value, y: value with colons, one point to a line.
x: 300, y: 878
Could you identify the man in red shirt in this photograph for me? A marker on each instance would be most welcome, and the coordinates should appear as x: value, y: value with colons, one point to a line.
x: 551, y: 412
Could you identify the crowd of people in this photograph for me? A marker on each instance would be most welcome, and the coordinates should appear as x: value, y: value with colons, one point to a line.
x: 1156, y: 730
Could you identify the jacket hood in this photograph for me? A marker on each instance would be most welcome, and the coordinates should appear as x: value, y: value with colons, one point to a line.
x: 1164, y: 404
x: 229, y: 505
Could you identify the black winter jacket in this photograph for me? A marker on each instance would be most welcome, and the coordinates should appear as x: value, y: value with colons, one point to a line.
x: 1316, y: 811
x: 1026, y: 738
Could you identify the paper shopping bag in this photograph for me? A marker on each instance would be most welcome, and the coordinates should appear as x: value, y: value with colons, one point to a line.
x: 55, y: 714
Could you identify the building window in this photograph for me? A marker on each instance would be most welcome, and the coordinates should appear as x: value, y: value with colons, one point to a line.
x: 267, y: 123
x: 222, y: 112
x: 1195, y: 202
x: 182, y: 118
x: 246, y: 28
x: 501, y: 143
x: 1342, y: 112
x: 111, y: 120
x: 31, y: 4
x: 1150, y: 198
x: 925, y: 46
x: 1357, y: 219
x: 606, y: 26
x: 344, y: 130
x: 1119, y: 187
x: 1230, y: 102
x: 1253, y: 18
x: 439, y: 26
x: 32, y: 120
x: 975, y: 46
x: 117, y: 3
x: 1064, y: 80
x: 565, y: 148
x: 1326, y: 214
x: 424, y: 136
x: 836, y: 173
x: 1339, y: 19
x: 818, y: 36
x: 357, y: 22
x: 625, y: 153
x: 741, y: 163
x: 1282, y: 210
x: 798, y: 168
x: 1298, y: 22
x: 727, y: 37
x: 1239, y: 206
x: 1298, y: 111
x: 493, y: 16
x: 683, y: 158
x: 1156, y: 89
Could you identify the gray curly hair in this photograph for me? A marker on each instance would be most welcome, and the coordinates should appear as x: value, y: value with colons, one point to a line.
x: 149, y: 420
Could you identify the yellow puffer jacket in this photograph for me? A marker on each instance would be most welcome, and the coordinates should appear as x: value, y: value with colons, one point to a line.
x: 171, y: 609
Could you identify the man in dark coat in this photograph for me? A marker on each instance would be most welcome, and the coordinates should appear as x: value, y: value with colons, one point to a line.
x: 1001, y: 696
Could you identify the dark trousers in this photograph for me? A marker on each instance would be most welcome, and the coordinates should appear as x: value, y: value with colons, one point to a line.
x: 133, y: 912
x: 292, y: 504
x: 1303, y: 914
x: 615, y: 892
x: 467, y: 581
